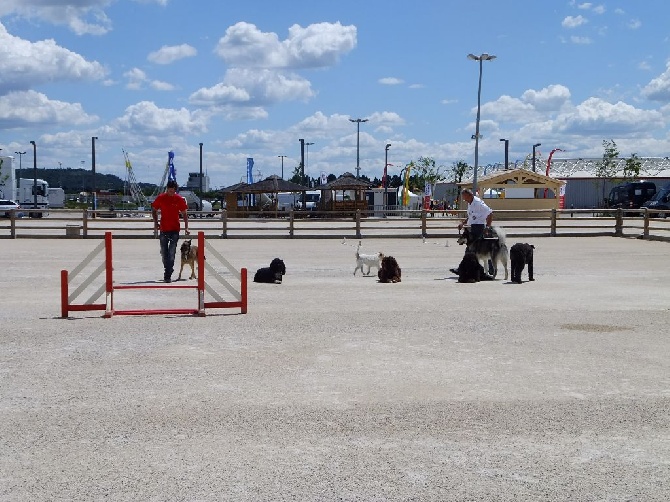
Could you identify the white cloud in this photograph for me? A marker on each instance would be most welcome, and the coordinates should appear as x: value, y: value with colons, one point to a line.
x: 551, y: 98
x: 317, y: 45
x: 146, y: 118
x: 22, y: 108
x: 634, y: 24
x: 25, y: 64
x: 600, y: 9
x: 596, y: 116
x: 659, y: 88
x: 170, y: 54
x: 573, y: 22
x: 254, y: 87
x: 580, y: 40
x: 138, y: 78
x: 391, y: 81
x: 585, y: 6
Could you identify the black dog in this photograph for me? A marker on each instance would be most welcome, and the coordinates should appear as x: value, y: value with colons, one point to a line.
x: 520, y: 255
x: 272, y: 274
x: 487, y: 249
x: 471, y: 270
x: 390, y: 271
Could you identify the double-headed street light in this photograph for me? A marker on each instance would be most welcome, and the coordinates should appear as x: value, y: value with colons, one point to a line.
x: 307, y: 157
x: 534, y: 147
x: 20, y: 154
x: 34, y: 177
x: 481, y: 58
x: 282, y: 164
x: 358, y: 144
x: 95, y: 203
x: 386, y: 179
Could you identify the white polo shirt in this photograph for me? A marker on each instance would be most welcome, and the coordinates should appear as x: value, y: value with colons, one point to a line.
x: 478, y: 211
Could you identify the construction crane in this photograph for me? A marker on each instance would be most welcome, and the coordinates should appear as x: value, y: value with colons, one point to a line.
x: 135, y: 192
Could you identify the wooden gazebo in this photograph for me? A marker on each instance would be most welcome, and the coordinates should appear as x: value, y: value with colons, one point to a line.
x: 517, y: 189
x: 270, y: 186
x: 345, y: 183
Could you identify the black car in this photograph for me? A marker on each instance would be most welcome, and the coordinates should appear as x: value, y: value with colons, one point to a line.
x: 659, y: 201
x: 631, y: 195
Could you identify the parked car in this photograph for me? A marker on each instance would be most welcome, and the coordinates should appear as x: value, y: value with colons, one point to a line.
x: 659, y: 201
x: 8, y: 205
x: 631, y: 195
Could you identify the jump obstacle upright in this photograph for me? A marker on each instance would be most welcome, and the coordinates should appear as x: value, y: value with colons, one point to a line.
x: 108, y: 288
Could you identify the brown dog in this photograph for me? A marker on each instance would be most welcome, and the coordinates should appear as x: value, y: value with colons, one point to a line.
x: 189, y: 255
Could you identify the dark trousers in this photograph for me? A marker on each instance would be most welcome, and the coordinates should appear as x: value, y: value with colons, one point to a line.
x: 168, y: 242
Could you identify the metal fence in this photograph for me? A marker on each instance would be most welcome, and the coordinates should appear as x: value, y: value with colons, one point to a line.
x: 377, y: 223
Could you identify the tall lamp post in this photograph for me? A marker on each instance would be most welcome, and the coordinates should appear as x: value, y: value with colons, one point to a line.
x: 506, y: 153
x: 34, y: 176
x: 201, y: 204
x: 386, y: 179
x: 481, y: 58
x: 307, y: 157
x: 95, y: 203
x: 358, y: 144
x: 20, y: 154
x: 282, y: 164
x: 534, y: 147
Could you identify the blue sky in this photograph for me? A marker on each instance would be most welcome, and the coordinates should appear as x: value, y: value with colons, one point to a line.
x: 248, y: 79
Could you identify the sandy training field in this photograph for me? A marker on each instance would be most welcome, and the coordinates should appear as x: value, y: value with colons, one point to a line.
x: 337, y: 387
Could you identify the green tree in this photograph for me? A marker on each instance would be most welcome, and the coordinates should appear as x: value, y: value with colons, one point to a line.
x: 632, y: 168
x: 426, y: 172
x: 458, y: 171
x: 607, y: 168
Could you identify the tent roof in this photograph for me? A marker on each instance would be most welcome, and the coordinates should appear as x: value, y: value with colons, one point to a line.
x: 515, y: 178
x: 234, y: 188
x: 271, y: 184
x: 346, y: 182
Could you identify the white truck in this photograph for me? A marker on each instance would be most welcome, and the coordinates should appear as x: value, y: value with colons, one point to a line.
x: 30, y: 191
x: 56, y: 197
x: 7, y: 180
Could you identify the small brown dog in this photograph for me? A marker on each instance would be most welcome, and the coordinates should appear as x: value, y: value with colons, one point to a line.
x: 189, y: 255
x: 389, y: 271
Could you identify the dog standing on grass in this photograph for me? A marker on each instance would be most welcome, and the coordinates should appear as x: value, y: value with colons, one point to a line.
x: 272, y: 274
x: 369, y: 260
x: 521, y: 254
x: 189, y: 255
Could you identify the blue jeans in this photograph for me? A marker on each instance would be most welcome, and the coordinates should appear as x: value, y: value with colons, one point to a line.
x: 168, y: 242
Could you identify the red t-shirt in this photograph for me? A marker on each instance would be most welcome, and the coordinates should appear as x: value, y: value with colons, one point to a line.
x: 169, y: 206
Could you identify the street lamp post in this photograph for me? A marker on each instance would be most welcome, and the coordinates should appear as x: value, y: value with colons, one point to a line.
x: 534, y: 147
x: 358, y: 144
x: 95, y: 203
x: 34, y: 177
x: 386, y: 179
x: 201, y: 204
x: 282, y: 164
x: 307, y: 156
x: 20, y: 154
x: 506, y: 153
x: 481, y: 58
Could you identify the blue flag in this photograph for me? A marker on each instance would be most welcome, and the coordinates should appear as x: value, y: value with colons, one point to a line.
x: 172, y: 172
x: 250, y: 167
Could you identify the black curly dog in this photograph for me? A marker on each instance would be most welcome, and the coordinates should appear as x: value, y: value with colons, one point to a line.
x: 521, y: 254
x: 272, y: 274
x: 471, y: 270
x: 389, y: 271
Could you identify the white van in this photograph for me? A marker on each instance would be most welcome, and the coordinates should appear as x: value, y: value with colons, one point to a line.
x: 312, y: 198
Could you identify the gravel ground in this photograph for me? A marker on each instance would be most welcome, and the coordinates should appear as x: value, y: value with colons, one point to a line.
x: 337, y: 387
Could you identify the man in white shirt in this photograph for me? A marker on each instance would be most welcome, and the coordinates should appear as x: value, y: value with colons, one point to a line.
x: 479, y: 217
x: 479, y: 214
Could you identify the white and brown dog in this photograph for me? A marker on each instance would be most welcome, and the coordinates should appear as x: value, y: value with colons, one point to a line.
x: 189, y: 255
x: 368, y: 260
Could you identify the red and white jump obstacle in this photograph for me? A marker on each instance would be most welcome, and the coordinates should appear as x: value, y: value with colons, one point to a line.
x: 108, y: 288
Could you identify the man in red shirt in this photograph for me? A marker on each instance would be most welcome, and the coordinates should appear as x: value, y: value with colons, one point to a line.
x: 171, y: 205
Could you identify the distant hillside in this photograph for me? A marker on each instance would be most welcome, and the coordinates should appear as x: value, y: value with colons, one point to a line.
x: 79, y: 180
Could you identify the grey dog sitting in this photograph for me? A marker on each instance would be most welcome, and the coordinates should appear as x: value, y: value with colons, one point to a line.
x: 521, y: 254
x: 471, y: 270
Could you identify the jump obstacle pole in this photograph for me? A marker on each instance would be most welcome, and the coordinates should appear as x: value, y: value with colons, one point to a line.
x: 108, y: 287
